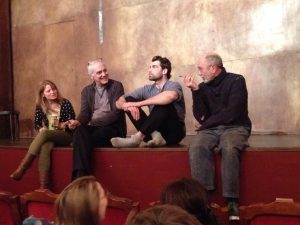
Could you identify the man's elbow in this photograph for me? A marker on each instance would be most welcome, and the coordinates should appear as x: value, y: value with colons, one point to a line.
x: 119, y: 103
x: 173, y: 96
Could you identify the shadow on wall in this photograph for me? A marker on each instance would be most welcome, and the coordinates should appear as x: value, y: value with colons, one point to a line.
x: 26, y: 128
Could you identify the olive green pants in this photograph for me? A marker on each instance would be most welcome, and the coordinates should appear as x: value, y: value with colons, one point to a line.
x: 43, y: 144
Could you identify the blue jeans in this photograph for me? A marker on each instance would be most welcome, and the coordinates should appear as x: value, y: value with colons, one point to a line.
x: 230, y: 140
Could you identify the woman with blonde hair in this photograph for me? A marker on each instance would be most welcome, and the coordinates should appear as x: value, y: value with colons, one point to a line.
x: 52, y: 114
x: 82, y: 202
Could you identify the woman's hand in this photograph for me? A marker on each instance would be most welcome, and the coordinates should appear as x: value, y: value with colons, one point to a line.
x: 42, y: 128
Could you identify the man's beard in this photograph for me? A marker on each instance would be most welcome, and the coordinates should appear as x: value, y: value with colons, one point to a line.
x: 154, y: 78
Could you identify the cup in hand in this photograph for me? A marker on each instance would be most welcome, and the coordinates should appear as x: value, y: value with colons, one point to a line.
x: 53, y: 122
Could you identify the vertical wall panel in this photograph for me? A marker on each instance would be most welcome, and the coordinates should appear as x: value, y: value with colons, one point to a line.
x: 6, y: 91
x: 6, y: 78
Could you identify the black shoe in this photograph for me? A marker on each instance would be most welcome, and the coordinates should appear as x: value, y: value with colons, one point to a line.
x: 233, y: 211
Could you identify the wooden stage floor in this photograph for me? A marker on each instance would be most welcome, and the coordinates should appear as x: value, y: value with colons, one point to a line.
x: 256, y: 141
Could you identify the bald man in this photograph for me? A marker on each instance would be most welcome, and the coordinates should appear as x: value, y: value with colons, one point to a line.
x: 220, y: 105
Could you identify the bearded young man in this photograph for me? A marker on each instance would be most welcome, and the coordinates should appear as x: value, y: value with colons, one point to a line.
x: 164, y: 98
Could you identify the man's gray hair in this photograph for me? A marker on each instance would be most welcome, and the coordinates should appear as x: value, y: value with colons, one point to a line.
x: 214, y: 59
x: 90, y: 65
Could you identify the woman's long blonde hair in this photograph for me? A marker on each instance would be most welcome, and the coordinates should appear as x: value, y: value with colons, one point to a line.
x: 41, y: 100
x: 78, y: 203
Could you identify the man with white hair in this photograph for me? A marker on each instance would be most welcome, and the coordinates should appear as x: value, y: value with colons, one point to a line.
x: 220, y: 105
x: 99, y: 120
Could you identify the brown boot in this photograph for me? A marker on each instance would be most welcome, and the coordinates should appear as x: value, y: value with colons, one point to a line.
x: 44, y: 180
x: 24, y: 165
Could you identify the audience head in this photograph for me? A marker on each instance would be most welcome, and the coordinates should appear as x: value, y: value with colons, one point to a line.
x: 190, y: 195
x: 209, y: 66
x: 164, y: 63
x: 82, y: 202
x: 98, y: 72
x: 47, y: 92
x: 164, y: 215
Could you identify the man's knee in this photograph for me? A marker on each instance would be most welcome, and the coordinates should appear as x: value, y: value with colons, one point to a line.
x: 78, y: 134
x: 130, y: 99
x: 198, y: 151
x: 231, y: 149
x: 169, y: 108
x: 232, y: 144
x: 81, y: 129
x: 203, y: 141
x: 235, y: 139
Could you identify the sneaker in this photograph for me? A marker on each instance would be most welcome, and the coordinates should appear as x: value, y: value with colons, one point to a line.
x: 233, y: 211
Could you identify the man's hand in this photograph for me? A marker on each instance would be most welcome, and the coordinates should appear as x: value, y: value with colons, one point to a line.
x: 72, y: 124
x: 132, y: 107
x: 134, y: 111
x: 189, y: 82
x: 197, y: 125
x: 63, y: 125
x: 131, y: 104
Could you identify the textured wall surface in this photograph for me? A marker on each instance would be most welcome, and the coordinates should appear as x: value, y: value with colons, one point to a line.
x: 259, y: 39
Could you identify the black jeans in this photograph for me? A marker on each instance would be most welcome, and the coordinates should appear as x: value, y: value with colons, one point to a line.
x: 162, y: 118
x: 85, y: 139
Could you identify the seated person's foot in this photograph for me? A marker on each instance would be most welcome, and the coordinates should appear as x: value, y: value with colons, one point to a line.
x: 157, y: 140
x: 233, y: 210
x: 143, y: 144
x: 131, y: 142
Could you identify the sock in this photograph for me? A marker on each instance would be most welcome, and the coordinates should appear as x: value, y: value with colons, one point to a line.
x: 143, y: 144
x: 130, y: 142
x: 157, y: 140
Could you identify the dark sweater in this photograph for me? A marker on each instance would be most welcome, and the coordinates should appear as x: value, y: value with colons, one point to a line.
x: 117, y: 117
x: 222, y: 101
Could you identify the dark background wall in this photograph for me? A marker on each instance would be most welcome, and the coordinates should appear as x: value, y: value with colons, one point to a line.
x: 6, y: 78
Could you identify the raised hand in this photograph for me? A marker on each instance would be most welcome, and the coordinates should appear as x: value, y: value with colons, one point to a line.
x: 189, y: 82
